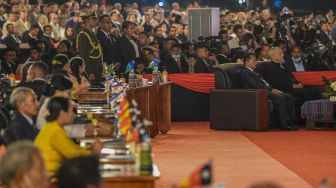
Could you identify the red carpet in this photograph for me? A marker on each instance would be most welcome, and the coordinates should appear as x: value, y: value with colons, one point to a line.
x: 310, y: 154
x: 237, y: 161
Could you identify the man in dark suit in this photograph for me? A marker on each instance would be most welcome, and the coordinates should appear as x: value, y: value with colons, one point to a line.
x: 9, y: 65
x: 284, y: 103
x: 128, y: 48
x: 11, y: 40
x: 295, y: 62
x: 89, y: 48
x: 204, y: 61
x: 325, y: 35
x: 115, y: 24
x: 36, y: 79
x: 107, y: 41
x: 22, y: 125
x: 224, y: 53
x: 175, y: 63
x: 49, y: 42
x: 31, y: 36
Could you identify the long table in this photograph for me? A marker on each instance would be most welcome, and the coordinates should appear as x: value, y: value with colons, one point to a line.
x: 154, y: 102
x: 120, y: 170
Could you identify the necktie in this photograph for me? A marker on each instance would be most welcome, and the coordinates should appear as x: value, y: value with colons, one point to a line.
x: 179, y: 65
x: 109, y: 37
x: 16, y: 39
x: 261, y: 78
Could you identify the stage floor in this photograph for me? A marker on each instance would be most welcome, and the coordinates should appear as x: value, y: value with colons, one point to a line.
x: 242, y: 158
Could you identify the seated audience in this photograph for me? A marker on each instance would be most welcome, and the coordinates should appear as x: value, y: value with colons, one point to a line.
x: 53, y: 140
x: 22, y: 125
x: 80, y: 172
x: 22, y: 166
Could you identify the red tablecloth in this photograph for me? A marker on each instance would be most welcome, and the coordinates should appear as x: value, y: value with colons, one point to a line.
x: 203, y: 83
x: 314, y: 78
x: 199, y: 82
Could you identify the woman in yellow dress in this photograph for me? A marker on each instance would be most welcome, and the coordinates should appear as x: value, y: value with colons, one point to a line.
x: 53, y: 140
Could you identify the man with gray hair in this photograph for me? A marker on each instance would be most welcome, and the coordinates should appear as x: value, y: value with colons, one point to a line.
x: 22, y: 166
x: 22, y: 125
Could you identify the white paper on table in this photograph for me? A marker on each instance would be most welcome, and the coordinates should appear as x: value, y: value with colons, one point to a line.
x: 108, y: 151
x: 156, y: 172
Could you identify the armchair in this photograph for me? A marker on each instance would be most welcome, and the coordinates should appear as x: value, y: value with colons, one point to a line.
x: 233, y: 108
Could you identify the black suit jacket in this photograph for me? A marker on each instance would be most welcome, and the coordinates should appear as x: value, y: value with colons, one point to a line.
x: 39, y: 87
x: 9, y: 41
x: 252, y: 80
x: 108, y: 46
x: 172, y: 66
x: 49, y: 47
x: 222, y: 59
x: 277, y: 77
x: 324, y: 38
x: 291, y: 67
x: 5, y: 69
x: 126, y: 52
x: 202, y: 67
x: 27, y: 39
x: 21, y: 129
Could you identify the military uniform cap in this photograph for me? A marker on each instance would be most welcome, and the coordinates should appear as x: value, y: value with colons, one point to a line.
x: 88, y: 15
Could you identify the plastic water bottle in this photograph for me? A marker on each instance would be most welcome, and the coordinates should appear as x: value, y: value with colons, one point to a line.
x: 155, y: 74
x: 132, y: 76
x: 146, y: 165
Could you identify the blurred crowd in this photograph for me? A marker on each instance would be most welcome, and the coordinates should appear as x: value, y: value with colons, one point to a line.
x: 126, y: 32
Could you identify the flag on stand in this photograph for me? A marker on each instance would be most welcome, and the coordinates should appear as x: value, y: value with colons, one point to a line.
x: 124, y: 119
x: 133, y: 135
x: 202, y: 176
x: 130, y: 66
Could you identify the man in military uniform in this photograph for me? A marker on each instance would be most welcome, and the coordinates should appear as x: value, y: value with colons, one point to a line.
x: 89, y: 48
